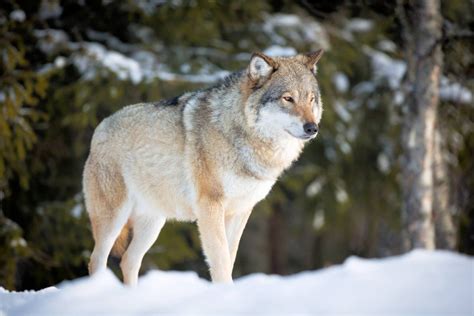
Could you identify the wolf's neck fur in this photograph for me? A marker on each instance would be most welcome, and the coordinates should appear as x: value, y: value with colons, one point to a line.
x: 262, y: 156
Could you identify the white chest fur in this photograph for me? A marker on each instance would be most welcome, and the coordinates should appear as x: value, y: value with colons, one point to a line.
x: 242, y: 193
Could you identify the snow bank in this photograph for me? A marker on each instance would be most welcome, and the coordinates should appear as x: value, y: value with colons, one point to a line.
x: 11, y: 300
x: 419, y: 283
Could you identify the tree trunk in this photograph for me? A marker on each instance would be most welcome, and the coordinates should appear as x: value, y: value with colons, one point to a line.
x: 421, y: 22
x: 443, y: 208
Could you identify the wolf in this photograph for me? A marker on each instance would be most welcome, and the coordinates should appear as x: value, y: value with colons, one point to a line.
x: 206, y: 156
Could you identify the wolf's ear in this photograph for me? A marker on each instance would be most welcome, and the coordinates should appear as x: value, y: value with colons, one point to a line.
x: 311, y: 60
x: 261, y: 67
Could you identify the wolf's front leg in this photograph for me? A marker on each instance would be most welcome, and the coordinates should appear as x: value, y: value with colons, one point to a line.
x: 211, y: 225
x: 234, y: 227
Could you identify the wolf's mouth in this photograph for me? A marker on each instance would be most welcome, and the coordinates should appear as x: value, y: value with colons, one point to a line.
x: 303, y: 137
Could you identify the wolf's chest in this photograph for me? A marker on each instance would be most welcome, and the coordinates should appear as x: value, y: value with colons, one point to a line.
x: 242, y: 193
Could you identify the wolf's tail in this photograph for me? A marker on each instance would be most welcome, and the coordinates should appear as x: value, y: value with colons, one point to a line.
x: 122, y: 242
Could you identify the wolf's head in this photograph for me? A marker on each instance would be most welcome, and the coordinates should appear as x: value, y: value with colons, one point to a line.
x: 284, y: 97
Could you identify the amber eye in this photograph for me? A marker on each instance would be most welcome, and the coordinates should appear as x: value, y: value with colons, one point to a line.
x: 288, y: 99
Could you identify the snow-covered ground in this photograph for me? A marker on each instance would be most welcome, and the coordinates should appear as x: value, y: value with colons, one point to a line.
x: 418, y: 283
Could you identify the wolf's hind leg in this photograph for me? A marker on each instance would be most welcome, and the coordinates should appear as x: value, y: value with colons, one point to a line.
x: 106, y: 231
x: 146, y: 229
x: 108, y: 206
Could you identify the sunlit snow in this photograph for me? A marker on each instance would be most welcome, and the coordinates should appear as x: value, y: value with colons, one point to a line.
x: 418, y: 283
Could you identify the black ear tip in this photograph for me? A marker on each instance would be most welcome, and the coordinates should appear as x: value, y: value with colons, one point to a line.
x: 317, y: 53
x: 313, y: 57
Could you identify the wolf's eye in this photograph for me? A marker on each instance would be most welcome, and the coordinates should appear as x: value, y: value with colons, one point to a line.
x: 288, y: 99
x: 312, y: 99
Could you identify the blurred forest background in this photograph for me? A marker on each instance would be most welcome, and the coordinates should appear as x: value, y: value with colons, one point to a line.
x: 66, y: 65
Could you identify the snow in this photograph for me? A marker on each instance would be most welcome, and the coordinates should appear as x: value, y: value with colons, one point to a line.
x: 149, y: 7
x: 364, y: 87
x: 386, y: 68
x: 383, y: 163
x: 18, y: 242
x: 132, y: 62
x: 318, y: 220
x: 314, y: 187
x: 141, y: 66
x: 197, y: 78
x: 110, y: 41
x: 455, y: 92
x: 11, y: 300
x: 60, y: 62
x: 77, y: 210
x: 50, y: 10
x: 276, y: 50
x: 126, y: 61
x: 345, y: 147
x: 355, y: 25
x: 94, y: 53
x: 387, y: 45
x: 392, y: 70
x: 342, y: 111
x: 281, y: 28
x: 51, y: 40
x: 340, y: 81
x: 398, y: 97
x: 418, y: 283
x: 359, y: 25
x: 341, y: 194
x: 18, y: 15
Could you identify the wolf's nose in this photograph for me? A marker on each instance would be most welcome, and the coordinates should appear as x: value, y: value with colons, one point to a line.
x: 310, y: 128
